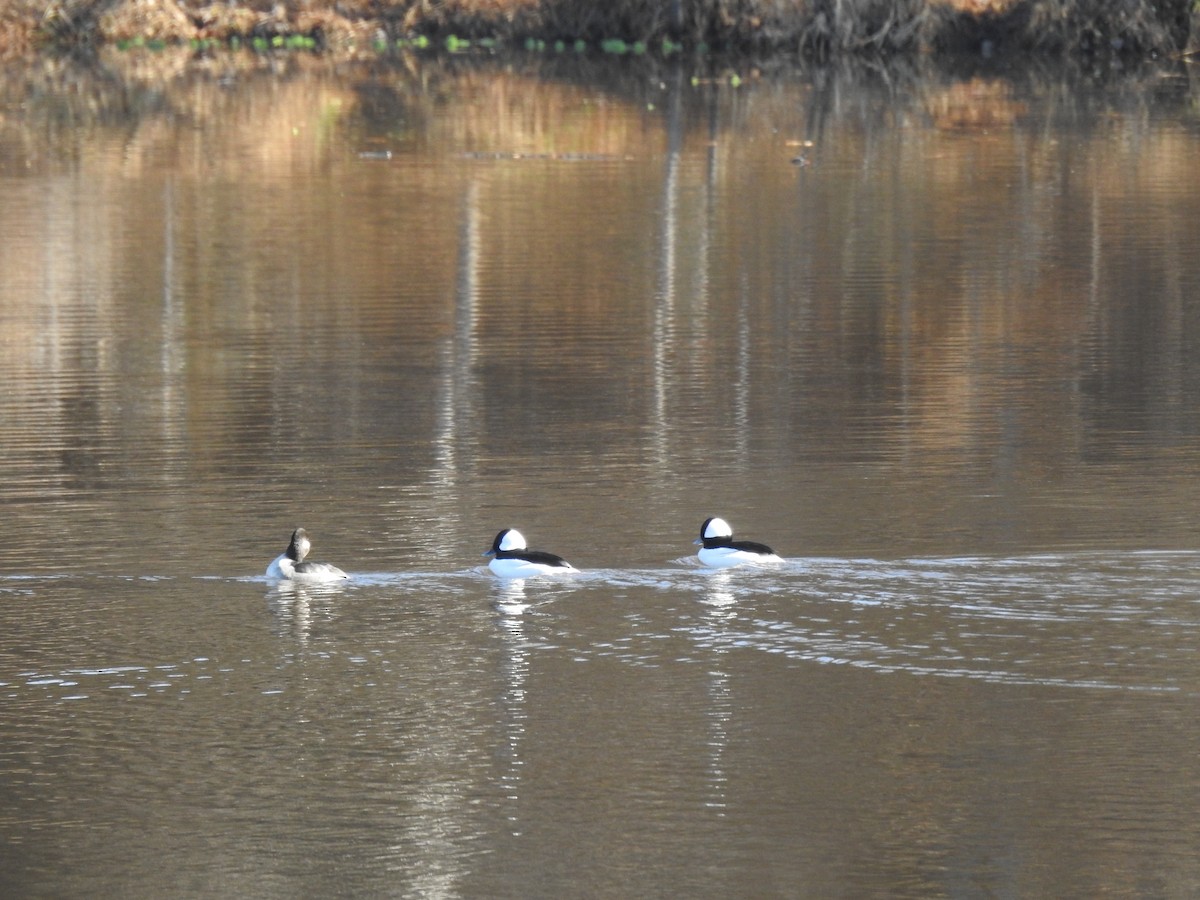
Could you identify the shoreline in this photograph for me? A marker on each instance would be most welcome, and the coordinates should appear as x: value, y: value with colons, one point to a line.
x: 808, y: 28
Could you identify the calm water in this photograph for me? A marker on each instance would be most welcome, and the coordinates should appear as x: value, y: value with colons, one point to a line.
x: 936, y: 340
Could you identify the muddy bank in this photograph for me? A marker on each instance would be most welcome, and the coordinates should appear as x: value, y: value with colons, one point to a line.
x: 815, y: 28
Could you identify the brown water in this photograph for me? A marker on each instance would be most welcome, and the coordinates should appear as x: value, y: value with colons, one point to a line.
x: 935, y: 340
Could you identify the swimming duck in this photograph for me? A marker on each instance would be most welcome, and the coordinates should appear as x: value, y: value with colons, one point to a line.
x: 512, y: 559
x: 290, y: 564
x: 719, y: 550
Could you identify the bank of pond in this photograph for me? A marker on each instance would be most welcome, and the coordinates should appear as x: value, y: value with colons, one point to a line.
x: 807, y: 27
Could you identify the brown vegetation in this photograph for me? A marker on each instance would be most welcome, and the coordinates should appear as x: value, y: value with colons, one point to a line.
x: 813, y: 27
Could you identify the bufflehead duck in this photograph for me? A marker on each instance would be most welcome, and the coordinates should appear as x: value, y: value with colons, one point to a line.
x: 719, y: 550
x: 511, y: 559
x: 290, y: 564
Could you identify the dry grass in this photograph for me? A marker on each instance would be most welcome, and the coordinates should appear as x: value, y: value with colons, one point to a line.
x: 20, y: 26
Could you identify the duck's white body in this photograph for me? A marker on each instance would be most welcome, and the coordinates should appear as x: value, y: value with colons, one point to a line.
x: 719, y: 550
x: 291, y: 566
x: 725, y: 557
x: 512, y: 559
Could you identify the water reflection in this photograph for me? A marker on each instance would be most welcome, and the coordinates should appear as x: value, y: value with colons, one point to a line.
x: 720, y: 613
x: 454, y: 434
x: 294, y: 605
x: 510, y: 606
x: 719, y: 595
x: 510, y: 599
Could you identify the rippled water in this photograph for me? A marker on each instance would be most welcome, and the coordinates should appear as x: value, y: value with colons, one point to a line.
x: 883, y: 726
x: 931, y: 339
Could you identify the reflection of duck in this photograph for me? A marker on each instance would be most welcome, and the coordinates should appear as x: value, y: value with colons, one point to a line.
x: 719, y: 550
x: 292, y: 605
x: 512, y: 559
x: 510, y: 597
x: 720, y: 633
x: 719, y: 596
x: 513, y: 699
x: 291, y: 565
